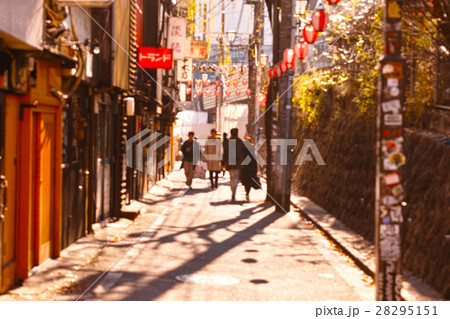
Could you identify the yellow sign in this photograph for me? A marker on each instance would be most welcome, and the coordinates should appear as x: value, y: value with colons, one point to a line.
x: 393, y: 10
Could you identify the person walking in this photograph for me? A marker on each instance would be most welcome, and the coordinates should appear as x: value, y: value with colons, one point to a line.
x: 212, y: 155
x: 233, y: 156
x: 249, y: 171
x: 224, y: 144
x: 191, y: 154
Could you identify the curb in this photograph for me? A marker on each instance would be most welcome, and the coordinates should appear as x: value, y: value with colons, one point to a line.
x: 361, y: 251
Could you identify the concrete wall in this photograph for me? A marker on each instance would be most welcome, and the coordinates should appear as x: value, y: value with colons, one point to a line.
x: 345, y: 187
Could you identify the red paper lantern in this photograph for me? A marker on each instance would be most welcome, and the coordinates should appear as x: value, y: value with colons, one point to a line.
x: 198, y: 92
x: 281, y: 68
x: 270, y: 72
x: 206, y: 82
x: 188, y: 91
x: 310, y: 34
x: 248, y: 91
x: 198, y: 82
x: 275, y: 71
x: 228, y: 92
x: 333, y: 2
x: 227, y: 82
x: 301, y: 50
x: 289, y: 56
x: 244, y: 81
x: 235, y: 82
x: 319, y: 20
x: 217, y: 93
x: 207, y: 93
x: 217, y: 83
x: 262, y: 99
x: 238, y: 92
x: 189, y: 83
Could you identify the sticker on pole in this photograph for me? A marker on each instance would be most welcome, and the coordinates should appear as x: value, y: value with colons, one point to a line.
x: 393, y: 119
x: 392, y: 179
x: 391, y: 106
x: 389, y: 242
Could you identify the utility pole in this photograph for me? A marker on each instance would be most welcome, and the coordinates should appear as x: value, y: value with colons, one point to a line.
x: 272, y: 107
x: 254, y: 72
x: 219, y: 100
x: 389, y: 192
x: 284, y: 37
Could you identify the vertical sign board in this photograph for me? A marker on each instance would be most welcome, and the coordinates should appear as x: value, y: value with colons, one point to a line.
x: 177, y: 37
x: 184, y: 70
x: 390, y: 158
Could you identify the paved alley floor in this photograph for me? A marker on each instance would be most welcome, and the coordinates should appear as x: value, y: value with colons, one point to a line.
x: 194, y: 244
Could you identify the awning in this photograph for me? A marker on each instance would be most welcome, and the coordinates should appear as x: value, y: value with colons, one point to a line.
x: 86, y: 3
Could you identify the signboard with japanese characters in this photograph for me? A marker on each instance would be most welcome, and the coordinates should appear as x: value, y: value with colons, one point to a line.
x: 155, y: 58
x: 184, y: 70
x: 177, y: 37
x: 199, y: 49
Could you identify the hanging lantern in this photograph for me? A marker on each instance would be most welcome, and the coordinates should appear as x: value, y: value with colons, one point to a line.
x: 284, y: 67
x: 281, y: 68
x: 189, y: 83
x: 212, y: 68
x: 333, y: 2
x: 198, y: 82
x: 310, y: 34
x: 275, y: 71
x: 227, y: 82
x: 228, y: 92
x: 244, y: 81
x: 217, y: 83
x: 235, y: 82
x: 206, y: 82
x: 238, y: 92
x: 248, y: 91
x: 222, y: 69
x: 188, y: 91
x: 203, y: 68
x: 301, y: 50
x: 319, y: 20
x: 207, y: 92
x: 198, y: 92
x: 270, y: 73
x: 217, y: 93
x: 289, y: 57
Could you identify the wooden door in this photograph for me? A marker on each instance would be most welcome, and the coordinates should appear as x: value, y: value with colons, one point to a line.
x: 45, y: 188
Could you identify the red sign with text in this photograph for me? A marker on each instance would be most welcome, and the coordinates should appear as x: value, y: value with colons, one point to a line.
x: 155, y: 58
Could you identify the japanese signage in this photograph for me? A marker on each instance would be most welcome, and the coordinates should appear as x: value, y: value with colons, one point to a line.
x: 177, y: 37
x: 155, y: 58
x: 199, y: 49
x: 184, y: 70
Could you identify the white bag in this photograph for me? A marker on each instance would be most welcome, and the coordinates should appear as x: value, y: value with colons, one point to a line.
x: 200, y: 170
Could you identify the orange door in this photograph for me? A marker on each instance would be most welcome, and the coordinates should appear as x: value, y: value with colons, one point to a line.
x: 11, y: 120
x: 44, y: 186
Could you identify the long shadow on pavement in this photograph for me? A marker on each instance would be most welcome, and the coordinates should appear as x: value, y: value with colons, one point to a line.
x: 165, y: 282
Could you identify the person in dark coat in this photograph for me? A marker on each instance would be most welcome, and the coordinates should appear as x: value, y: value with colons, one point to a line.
x: 233, y: 155
x: 249, y: 171
x: 224, y: 144
x: 191, y: 155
